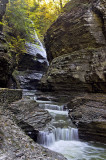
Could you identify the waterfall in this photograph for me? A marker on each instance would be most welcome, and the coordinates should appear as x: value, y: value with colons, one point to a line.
x: 49, y: 137
x: 74, y: 134
x: 52, y: 107
x: 36, y: 47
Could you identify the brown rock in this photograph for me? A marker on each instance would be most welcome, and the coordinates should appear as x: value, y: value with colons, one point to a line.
x: 76, y: 48
x: 89, y: 114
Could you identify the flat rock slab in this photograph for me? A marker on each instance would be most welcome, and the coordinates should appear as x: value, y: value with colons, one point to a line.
x: 28, y: 111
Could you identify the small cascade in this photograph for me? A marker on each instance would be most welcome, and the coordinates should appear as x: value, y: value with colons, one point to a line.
x: 32, y: 65
x: 74, y: 134
x: 49, y: 137
x: 52, y: 107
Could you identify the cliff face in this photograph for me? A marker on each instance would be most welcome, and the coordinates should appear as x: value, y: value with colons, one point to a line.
x: 76, y: 48
x: 5, y: 63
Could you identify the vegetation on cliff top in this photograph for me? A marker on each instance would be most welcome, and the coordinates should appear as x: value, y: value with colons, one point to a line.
x: 24, y: 16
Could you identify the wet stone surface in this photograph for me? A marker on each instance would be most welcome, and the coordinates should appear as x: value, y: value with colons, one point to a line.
x: 15, y: 144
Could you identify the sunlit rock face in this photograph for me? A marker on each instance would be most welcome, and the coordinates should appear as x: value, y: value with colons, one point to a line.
x: 76, y: 48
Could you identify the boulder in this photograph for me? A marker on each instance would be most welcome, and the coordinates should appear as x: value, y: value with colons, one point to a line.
x: 76, y: 48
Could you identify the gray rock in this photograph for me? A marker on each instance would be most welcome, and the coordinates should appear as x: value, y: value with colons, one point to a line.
x: 8, y: 96
x: 16, y: 145
x: 76, y: 48
x: 27, y: 112
x: 89, y: 114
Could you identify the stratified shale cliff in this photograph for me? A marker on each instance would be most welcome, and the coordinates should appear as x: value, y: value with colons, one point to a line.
x: 76, y: 48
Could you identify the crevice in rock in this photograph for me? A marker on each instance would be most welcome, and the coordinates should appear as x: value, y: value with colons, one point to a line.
x: 100, y: 15
x: 29, y: 130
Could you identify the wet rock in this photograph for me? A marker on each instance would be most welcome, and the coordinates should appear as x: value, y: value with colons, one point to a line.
x: 31, y: 67
x: 76, y: 48
x: 17, y: 145
x: 28, y: 114
x: 32, y: 62
x: 28, y: 79
x: 89, y: 114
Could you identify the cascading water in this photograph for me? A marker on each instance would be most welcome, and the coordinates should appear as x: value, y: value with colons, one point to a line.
x: 66, y: 134
x: 52, y: 107
x: 36, y: 47
x: 58, y: 129
x: 62, y: 137
x: 32, y: 64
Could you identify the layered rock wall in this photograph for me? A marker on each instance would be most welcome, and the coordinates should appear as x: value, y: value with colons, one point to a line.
x: 76, y: 48
x: 88, y: 112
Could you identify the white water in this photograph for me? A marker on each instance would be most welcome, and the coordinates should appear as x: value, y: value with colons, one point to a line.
x: 52, y: 107
x: 50, y: 137
x: 41, y: 46
x: 54, y: 112
x: 64, y: 139
x: 54, y: 134
x: 76, y: 150
x: 36, y: 47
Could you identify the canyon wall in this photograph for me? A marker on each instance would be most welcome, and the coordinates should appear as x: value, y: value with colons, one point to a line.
x: 5, y: 60
x: 76, y: 48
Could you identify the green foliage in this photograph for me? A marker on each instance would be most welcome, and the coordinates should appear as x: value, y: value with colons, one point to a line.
x: 18, y: 19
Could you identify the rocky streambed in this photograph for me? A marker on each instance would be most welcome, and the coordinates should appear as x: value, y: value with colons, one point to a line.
x: 14, y: 143
x: 47, y: 122
x: 39, y: 124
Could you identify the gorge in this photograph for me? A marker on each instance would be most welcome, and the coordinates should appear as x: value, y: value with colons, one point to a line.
x: 58, y: 110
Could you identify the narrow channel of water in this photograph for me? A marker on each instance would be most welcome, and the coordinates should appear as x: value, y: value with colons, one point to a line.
x: 62, y: 136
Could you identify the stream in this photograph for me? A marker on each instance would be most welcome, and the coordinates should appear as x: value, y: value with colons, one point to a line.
x: 62, y: 136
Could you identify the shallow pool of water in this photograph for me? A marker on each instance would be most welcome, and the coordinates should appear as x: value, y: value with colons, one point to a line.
x: 77, y: 150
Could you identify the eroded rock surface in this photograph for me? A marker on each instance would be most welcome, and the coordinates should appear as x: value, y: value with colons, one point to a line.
x: 15, y: 145
x: 29, y: 116
x: 31, y: 66
x: 89, y: 114
x: 8, y: 96
x: 76, y: 48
